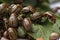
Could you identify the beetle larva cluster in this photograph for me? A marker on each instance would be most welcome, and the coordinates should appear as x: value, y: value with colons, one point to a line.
x: 16, y: 20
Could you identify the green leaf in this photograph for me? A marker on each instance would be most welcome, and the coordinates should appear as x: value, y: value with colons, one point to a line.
x: 21, y: 32
x: 37, y: 31
x: 45, y: 30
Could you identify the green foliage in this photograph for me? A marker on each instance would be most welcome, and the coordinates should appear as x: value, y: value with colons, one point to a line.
x: 21, y: 32
x: 46, y: 29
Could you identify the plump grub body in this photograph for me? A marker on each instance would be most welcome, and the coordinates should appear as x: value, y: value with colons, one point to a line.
x: 13, y: 22
x: 27, y: 24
